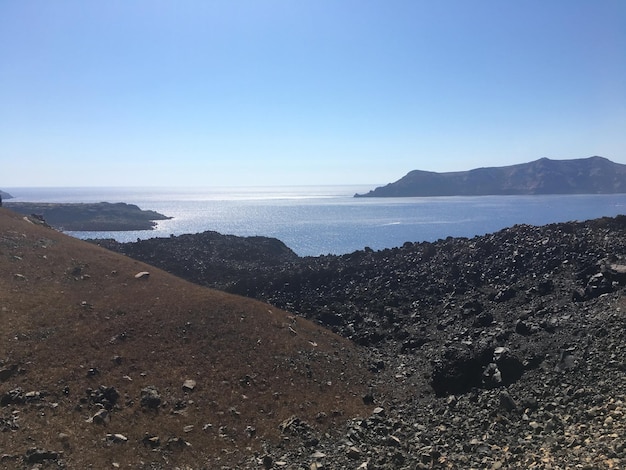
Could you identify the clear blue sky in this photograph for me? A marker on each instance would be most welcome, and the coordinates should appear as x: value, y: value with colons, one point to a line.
x: 265, y: 92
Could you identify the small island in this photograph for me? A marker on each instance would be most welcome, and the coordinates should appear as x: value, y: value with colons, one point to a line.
x: 90, y: 217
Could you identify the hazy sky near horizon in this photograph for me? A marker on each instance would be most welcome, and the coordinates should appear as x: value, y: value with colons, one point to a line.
x: 266, y: 92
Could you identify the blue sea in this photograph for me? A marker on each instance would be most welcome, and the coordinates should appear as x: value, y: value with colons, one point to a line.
x: 319, y: 220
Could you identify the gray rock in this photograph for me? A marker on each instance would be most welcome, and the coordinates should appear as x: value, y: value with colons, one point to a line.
x: 101, y: 417
x: 378, y: 411
x: 151, y: 441
x: 7, y: 372
x: 35, y: 455
x: 189, y: 385
x: 354, y: 453
x: 13, y: 396
x: 506, y: 401
x: 150, y: 398
x: 176, y: 443
x: 116, y: 438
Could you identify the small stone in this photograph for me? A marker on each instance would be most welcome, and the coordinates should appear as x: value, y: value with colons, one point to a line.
x: 117, y: 438
x: 32, y: 396
x: 379, y: 411
x: 368, y: 399
x: 142, y: 275
x: 177, y: 443
x: 451, y: 401
x: 34, y: 455
x: 101, y: 417
x: 267, y: 461
x: 499, y: 352
x: 150, y: 398
x: 354, y: 453
x: 152, y: 441
x: 7, y: 372
x: 507, y: 402
x: 189, y: 385
x: 523, y: 328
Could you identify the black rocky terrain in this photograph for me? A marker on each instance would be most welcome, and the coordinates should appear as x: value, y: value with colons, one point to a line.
x: 502, y: 351
x: 208, y: 258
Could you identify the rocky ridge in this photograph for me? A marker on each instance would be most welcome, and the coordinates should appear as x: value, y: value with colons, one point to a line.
x: 501, y: 351
x: 594, y: 175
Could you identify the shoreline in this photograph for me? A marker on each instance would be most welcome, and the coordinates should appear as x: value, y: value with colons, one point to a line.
x: 90, y: 217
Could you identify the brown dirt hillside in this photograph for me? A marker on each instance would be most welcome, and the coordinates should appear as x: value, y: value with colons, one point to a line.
x: 93, y: 362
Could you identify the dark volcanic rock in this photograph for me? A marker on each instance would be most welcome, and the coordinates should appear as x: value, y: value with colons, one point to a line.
x: 150, y: 398
x: 581, y: 176
x: 456, y: 371
x: 8, y: 372
x: 105, y: 396
x: 208, y: 258
x: 501, y: 351
x: 35, y: 455
x: 511, y: 285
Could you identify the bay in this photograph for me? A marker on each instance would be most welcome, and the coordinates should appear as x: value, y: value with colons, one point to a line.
x: 318, y: 220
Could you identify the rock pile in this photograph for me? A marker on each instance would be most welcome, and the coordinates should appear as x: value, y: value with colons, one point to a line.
x: 501, y: 351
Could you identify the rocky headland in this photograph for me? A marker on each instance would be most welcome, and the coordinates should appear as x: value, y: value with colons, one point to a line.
x: 100, y: 216
x: 500, y: 351
x: 594, y: 175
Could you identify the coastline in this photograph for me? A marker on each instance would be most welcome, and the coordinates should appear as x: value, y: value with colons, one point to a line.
x: 90, y: 216
x: 315, y: 220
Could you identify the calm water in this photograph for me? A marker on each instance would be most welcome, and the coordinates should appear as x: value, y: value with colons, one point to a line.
x: 327, y: 219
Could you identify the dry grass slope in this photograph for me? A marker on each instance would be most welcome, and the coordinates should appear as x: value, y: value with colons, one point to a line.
x: 74, y: 317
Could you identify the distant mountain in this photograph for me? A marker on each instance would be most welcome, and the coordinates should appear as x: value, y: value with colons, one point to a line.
x: 594, y: 175
x: 5, y: 195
